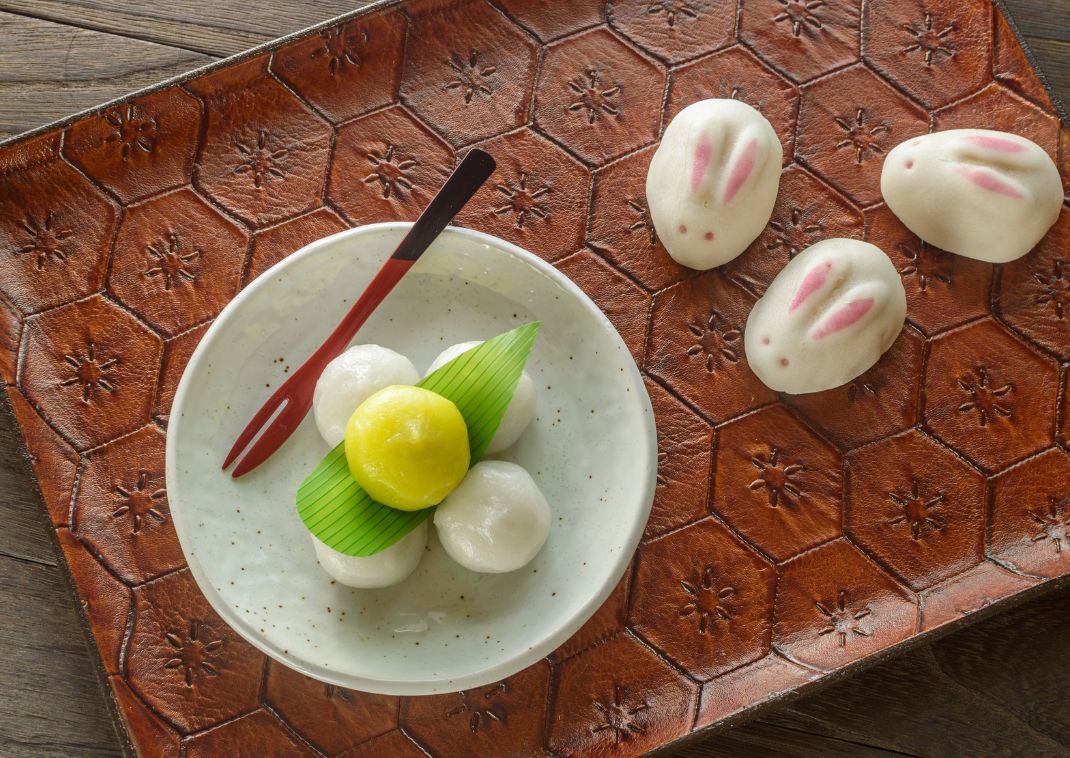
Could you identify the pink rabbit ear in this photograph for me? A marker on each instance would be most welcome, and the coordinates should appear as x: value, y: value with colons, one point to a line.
x: 741, y: 170
x: 845, y: 317
x: 989, y: 181
x: 703, y: 153
x: 998, y: 144
x: 813, y: 281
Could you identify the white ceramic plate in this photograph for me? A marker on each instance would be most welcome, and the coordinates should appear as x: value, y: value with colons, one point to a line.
x: 592, y: 449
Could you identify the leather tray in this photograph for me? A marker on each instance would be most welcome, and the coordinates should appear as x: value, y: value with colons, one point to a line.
x: 791, y: 538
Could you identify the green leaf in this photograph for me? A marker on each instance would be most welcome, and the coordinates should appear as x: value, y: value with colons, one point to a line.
x: 480, y: 382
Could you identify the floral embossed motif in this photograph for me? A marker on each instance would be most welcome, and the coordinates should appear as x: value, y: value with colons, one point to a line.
x: 90, y: 373
x: 340, y: 48
x: 673, y: 10
x: 619, y: 716
x: 800, y: 14
x: 194, y: 652
x: 332, y: 692
x: 390, y: 170
x: 46, y: 238
x: 522, y: 200
x: 986, y: 399
x: 860, y: 135
x: 592, y: 97
x: 918, y: 510
x: 643, y: 223
x: 777, y: 477
x: 925, y: 264
x: 796, y: 233
x: 929, y: 41
x: 705, y: 598
x: 716, y: 339
x: 134, y: 130
x: 262, y: 158
x: 484, y: 710
x: 139, y: 501
x: 1054, y: 288
x: 842, y: 621
x: 169, y: 262
x: 1053, y: 523
x: 472, y: 75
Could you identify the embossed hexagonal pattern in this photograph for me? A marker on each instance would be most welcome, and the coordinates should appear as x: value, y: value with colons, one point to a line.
x: 626, y: 305
x: 1013, y: 67
x: 847, y: 124
x: 619, y: 695
x: 939, y: 50
x: 737, y: 74
x: 968, y: 593
x: 92, y: 368
x: 989, y: 396
x: 684, y: 461
x: 943, y: 290
x: 54, y: 236
x: 347, y: 69
x: 598, y: 96
x: 704, y: 599
x: 394, y: 744
x: 54, y: 461
x: 696, y: 346
x: 177, y: 353
x: 1031, y: 515
x: 139, y: 148
x: 507, y: 717
x: 882, y: 401
x: 536, y: 198
x: 387, y: 166
x: 177, y: 261
x: 185, y: 661
x: 332, y: 718
x: 917, y: 507
x: 807, y: 211
x: 730, y: 693
x: 483, y: 63
x: 550, y: 19
x: 621, y: 228
x: 122, y: 511
x: 262, y: 168
x: 259, y: 733
x: 10, y: 336
x: 996, y: 107
x: 674, y: 30
x: 1034, y: 291
x: 777, y: 483
x: 143, y: 727
x: 272, y: 245
x: 805, y: 38
x: 104, y: 599
x: 835, y: 606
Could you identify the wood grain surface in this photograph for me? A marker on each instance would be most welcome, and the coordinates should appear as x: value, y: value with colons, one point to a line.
x: 997, y: 688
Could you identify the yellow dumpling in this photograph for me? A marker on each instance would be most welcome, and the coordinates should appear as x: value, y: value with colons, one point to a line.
x: 407, y: 447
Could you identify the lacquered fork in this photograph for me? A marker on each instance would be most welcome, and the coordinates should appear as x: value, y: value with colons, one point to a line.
x: 291, y: 401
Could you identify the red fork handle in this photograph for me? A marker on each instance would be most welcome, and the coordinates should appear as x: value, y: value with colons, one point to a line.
x: 379, y: 287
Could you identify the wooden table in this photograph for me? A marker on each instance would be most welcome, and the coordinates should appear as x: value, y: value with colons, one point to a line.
x: 997, y: 688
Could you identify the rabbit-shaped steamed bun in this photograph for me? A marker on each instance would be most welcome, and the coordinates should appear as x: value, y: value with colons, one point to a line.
x: 713, y: 181
x: 982, y: 194
x: 827, y: 317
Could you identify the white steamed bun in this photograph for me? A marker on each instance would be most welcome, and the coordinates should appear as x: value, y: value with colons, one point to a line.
x: 387, y: 567
x: 496, y: 520
x: 352, y: 378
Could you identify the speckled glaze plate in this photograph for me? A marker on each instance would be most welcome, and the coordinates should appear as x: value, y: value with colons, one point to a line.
x: 591, y: 448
